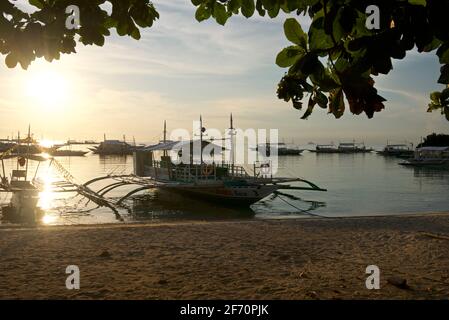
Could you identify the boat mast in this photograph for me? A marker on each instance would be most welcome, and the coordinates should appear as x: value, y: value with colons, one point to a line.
x: 28, y: 151
x: 201, y: 139
x: 165, y: 136
x: 18, y: 147
x: 232, y: 133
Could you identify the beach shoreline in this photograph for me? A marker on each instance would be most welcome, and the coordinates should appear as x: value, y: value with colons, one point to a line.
x: 307, y: 258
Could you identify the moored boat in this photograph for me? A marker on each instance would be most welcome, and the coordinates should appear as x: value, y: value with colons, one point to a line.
x: 350, y: 147
x: 114, y: 147
x: 281, y: 149
x: 325, y: 148
x: 227, y: 183
x: 68, y: 153
x: 397, y: 150
x: 434, y: 157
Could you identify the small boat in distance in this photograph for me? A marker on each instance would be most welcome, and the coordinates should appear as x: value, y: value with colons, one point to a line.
x: 282, y: 149
x: 114, y: 147
x: 398, y: 150
x: 353, y: 147
x: 431, y: 157
x: 67, y: 153
x: 325, y: 148
x: 346, y: 147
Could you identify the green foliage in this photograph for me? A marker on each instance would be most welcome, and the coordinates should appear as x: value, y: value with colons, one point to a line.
x: 435, y: 140
x: 25, y: 37
x: 352, y: 54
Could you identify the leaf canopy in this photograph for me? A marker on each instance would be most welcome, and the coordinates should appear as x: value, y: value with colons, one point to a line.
x: 354, y: 54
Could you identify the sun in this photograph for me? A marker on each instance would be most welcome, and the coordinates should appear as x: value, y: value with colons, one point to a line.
x: 48, y: 89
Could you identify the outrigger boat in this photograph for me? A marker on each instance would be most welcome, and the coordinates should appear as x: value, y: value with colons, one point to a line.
x: 325, y: 148
x: 344, y: 147
x: 25, y: 194
x: 216, y: 181
x: 281, y: 148
x: 26, y: 187
x: 430, y: 157
x: 114, y: 147
x: 398, y: 150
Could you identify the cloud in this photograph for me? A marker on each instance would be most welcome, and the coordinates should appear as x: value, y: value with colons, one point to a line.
x: 417, y: 98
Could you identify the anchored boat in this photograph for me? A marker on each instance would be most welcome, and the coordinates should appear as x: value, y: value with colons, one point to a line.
x: 114, y: 147
x: 282, y: 149
x: 398, y: 150
x: 344, y: 147
x: 225, y: 182
x: 433, y: 157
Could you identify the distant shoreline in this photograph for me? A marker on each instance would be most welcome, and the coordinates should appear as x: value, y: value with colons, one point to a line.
x: 309, y: 258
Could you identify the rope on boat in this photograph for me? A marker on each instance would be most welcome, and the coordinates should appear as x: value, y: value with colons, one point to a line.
x: 299, y: 209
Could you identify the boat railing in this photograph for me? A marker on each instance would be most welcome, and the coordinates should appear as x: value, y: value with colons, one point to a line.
x: 196, y: 172
x: 193, y: 173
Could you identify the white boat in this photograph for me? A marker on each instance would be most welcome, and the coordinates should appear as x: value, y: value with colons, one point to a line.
x: 25, y: 193
x: 429, y: 157
x: 217, y: 181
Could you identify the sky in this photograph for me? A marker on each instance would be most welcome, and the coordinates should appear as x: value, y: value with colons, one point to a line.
x: 181, y: 69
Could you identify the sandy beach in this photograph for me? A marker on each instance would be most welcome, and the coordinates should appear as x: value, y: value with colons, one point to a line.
x: 258, y: 259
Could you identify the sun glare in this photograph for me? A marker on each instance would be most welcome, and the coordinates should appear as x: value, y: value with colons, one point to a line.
x: 48, y: 89
x: 46, y: 143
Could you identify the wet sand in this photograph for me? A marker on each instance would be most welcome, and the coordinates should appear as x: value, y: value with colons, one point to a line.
x: 288, y: 259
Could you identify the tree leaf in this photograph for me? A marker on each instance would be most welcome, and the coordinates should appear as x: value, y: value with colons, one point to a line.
x: 288, y: 56
x: 37, y: 3
x: 202, y: 13
x: 444, y: 78
x: 418, y: 2
x: 220, y: 13
x: 336, y: 103
x: 248, y: 8
x: 443, y: 53
x: 319, y: 40
x: 294, y: 32
x: 11, y: 61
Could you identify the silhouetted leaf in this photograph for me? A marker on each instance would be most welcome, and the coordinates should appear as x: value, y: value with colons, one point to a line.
x: 288, y: 56
x: 294, y: 32
x: 248, y: 8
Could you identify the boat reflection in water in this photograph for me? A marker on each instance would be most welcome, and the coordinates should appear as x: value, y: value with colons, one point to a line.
x: 162, y: 205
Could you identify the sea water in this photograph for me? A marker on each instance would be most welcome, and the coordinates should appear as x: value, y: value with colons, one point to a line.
x: 358, y: 185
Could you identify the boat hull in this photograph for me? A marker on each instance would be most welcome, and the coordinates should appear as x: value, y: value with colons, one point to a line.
x: 443, y: 164
x: 23, y: 207
x: 231, y: 196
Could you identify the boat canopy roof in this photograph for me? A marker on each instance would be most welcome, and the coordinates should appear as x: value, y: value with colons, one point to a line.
x: 177, y: 145
x: 325, y: 146
x: 433, y: 149
x: 114, y: 142
x: 26, y: 156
